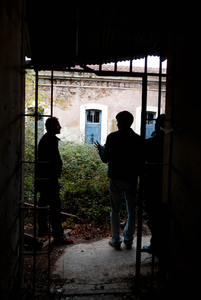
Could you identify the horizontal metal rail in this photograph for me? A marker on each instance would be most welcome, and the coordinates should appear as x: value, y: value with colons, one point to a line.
x: 33, y: 253
x: 108, y: 73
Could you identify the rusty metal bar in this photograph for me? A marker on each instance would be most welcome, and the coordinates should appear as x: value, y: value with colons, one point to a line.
x: 35, y: 253
x: 100, y: 72
x: 52, y: 99
x: 159, y: 112
x: 35, y: 194
x: 52, y: 84
x: 131, y: 64
x: 117, y: 73
x: 30, y: 115
x: 159, y: 87
x: 115, y: 65
x: 141, y: 186
x: 30, y: 253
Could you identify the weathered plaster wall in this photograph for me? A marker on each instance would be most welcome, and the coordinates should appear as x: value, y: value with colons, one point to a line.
x: 89, y: 90
x: 11, y: 105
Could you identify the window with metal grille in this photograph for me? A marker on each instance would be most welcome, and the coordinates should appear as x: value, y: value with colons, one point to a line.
x: 93, y: 116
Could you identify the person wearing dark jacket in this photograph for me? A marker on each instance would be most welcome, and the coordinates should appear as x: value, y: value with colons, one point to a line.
x: 153, y: 185
x: 157, y: 210
x: 48, y: 171
x: 123, y: 153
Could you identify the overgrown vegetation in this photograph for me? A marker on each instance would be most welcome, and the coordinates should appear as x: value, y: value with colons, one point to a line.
x: 84, y: 182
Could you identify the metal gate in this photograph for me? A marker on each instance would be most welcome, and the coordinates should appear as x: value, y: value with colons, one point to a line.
x: 145, y: 80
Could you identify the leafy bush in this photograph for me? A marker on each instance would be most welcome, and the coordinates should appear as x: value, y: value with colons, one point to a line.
x: 29, y: 167
x: 29, y: 157
x: 84, y: 182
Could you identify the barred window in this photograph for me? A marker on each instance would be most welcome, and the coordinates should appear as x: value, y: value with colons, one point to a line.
x: 93, y: 116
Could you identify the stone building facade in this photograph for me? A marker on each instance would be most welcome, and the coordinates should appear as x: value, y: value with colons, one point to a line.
x: 86, y: 93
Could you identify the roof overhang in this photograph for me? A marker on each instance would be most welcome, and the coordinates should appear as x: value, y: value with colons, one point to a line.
x: 64, y: 34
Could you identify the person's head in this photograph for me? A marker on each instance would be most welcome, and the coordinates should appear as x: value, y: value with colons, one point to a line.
x: 124, y: 119
x: 160, y: 122
x: 52, y: 125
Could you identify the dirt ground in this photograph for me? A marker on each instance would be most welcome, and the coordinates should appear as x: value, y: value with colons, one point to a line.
x: 80, y: 233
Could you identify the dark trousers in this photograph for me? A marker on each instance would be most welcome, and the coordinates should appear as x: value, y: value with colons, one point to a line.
x: 49, y: 195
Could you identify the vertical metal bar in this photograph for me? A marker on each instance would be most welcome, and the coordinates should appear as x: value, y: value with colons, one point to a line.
x: 131, y: 64
x: 171, y: 84
x: 100, y: 38
x: 159, y: 109
x: 115, y: 65
x: 100, y: 49
x: 77, y: 32
x: 152, y: 271
x: 35, y: 195
x: 48, y: 283
x: 144, y: 101
x: 21, y: 213
x: 51, y: 104
x: 140, y: 203
x: 159, y: 87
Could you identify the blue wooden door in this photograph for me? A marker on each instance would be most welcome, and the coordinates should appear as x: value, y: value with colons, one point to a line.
x: 93, y: 126
x: 150, y: 123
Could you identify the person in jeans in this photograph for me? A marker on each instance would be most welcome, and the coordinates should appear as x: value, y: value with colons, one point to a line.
x: 48, y: 171
x: 123, y: 153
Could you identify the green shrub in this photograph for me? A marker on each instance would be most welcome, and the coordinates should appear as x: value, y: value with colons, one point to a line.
x: 29, y: 157
x: 84, y: 182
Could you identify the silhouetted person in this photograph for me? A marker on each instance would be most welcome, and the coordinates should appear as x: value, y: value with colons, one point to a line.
x: 122, y: 152
x: 48, y: 172
x: 153, y: 185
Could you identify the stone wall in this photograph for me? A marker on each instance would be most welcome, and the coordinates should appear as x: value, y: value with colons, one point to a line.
x: 81, y: 91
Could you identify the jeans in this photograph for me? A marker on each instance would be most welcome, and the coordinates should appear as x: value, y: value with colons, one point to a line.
x: 120, y: 189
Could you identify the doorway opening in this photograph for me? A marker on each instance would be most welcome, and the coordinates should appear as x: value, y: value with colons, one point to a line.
x: 93, y: 125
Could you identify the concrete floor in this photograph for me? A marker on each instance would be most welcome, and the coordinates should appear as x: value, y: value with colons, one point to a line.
x: 96, y: 270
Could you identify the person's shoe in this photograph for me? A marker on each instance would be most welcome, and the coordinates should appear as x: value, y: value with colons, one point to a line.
x: 64, y: 240
x: 115, y: 245
x: 128, y: 244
